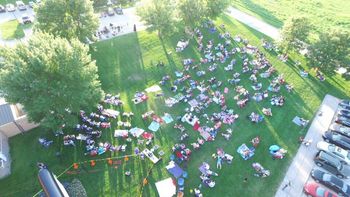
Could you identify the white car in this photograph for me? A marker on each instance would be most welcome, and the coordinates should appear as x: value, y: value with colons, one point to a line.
x: 10, y: 7
x: 335, y: 151
x: 339, y: 128
x: 31, y: 4
x: 20, y: 5
x: 26, y: 19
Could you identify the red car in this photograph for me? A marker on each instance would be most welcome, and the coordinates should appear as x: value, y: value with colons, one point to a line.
x: 314, y: 189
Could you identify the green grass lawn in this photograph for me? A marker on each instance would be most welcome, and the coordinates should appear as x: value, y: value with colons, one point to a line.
x: 13, y: 30
x: 323, y: 14
x: 126, y: 64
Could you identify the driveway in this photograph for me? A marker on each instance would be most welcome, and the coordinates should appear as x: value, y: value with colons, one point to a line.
x: 299, y: 171
x: 254, y: 23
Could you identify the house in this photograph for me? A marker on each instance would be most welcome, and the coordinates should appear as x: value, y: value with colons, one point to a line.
x: 13, y: 121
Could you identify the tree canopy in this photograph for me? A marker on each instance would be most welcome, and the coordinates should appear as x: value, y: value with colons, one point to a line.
x: 159, y: 14
x: 215, y: 8
x: 294, y: 32
x: 332, y: 48
x: 192, y: 12
x: 53, y: 79
x: 67, y: 18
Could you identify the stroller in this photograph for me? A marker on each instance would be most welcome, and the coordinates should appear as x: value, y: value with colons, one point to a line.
x: 260, y: 170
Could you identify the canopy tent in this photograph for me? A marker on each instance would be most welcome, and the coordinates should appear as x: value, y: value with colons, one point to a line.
x: 166, y: 188
x: 136, y: 132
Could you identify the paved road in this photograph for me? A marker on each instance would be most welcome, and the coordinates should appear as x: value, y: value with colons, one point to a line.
x: 126, y: 21
x: 299, y: 171
x: 254, y: 23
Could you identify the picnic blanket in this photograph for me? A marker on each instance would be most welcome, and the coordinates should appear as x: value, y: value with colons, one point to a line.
x: 154, y: 126
x: 167, y: 118
x: 298, y: 121
x: 110, y: 113
x: 166, y: 188
x: 154, y: 88
x: 169, y: 102
x: 150, y: 155
x: 121, y: 133
x: 147, y: 135
x: 174, y: 169
x: 245, y: 152
x: 206, y: 135
x: 193, y: 103
x: 136, y: 132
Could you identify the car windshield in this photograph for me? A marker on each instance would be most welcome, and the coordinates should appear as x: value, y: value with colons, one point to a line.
x: 320, y: 191
x: 326, y: 177
x: 331, y: 148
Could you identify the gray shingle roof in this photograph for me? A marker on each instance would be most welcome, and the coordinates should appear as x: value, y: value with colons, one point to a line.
x: 6, y: 115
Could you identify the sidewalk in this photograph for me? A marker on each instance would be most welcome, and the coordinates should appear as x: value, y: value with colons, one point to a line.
x: 254, y: 23
x: 299, y: 171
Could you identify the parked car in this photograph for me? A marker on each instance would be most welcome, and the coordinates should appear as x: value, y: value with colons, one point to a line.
x: 345, y: 107
x: 110, y: 11
x: 118, y: 10
x: 344, y: 113
x: 332, y: 164
x: 331, y: 181
x: 2, y: 8
x: 26, y: 19
x: 31, y: 4
x: 10, y: 7
x: 345, y: 103
x: 342, y: 120
x: 337, y: 139
x: 336, y: 151
x: 21, y: 6
x: 316, y: 190
x: 340, y: 129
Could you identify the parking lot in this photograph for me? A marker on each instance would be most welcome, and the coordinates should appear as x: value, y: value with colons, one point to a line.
x: 299, y: 171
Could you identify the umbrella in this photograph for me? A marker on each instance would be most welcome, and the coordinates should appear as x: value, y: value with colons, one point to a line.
x: 274, y: 148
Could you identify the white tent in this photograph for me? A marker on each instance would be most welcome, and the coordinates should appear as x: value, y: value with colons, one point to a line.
x: 166, y: 188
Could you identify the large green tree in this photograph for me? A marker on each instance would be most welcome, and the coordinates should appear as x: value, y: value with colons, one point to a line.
x: 158, y: 14
x: 217, y: 7
x: 295, y: 32
x: 331, y: 49
x: 192, y: 12
x: 53, y: 79
x: 67, y: 18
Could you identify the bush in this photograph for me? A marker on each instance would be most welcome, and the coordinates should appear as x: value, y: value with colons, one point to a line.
x: 76, y: 189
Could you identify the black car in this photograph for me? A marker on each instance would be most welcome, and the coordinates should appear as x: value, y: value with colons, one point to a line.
x: 2, y: 8
x: 345, y: 113
x: 345, y: 107
x: 331, y: 181
x: 345, y: 103
x: 337, y: 139
x: 332, y: 164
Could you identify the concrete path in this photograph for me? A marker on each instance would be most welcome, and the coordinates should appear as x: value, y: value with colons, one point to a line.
x: 254, y: 23
x: 299, y: 171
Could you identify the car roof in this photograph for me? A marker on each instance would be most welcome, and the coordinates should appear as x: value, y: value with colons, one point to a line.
x: 329, y: 157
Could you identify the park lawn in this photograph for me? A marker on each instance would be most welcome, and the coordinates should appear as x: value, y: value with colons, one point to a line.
x: 322, y: 14
x: 13, y: 30
x: 126, y: 64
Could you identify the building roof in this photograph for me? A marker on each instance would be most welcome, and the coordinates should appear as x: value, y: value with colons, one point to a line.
x: 6, y: 114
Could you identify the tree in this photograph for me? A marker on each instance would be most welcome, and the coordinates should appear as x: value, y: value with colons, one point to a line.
x: 295, y: 32
x: 53, y: 79
x: 76, y: 189
x: 99, y: 3
x: 67, y: 18
x: 193, y: 12
x: 159, y: 14
x: 215, y: 8
x: 332, y: 48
